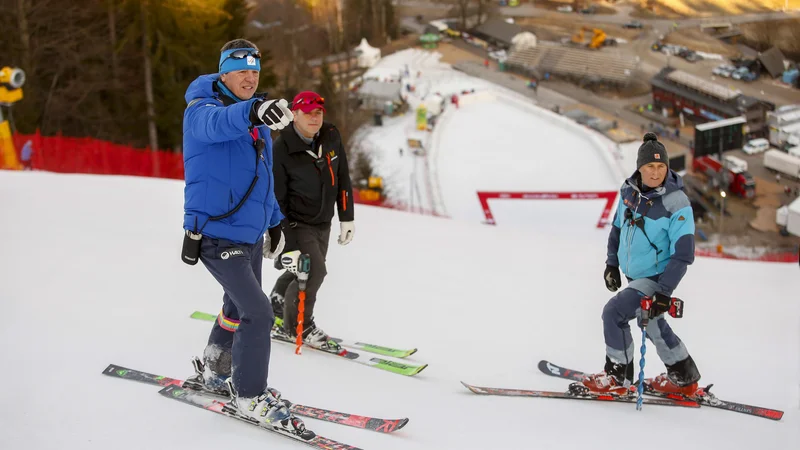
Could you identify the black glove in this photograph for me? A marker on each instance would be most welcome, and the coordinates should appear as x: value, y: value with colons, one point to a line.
x: 661, y: 304
x: 612, y: 278
x: 273, y: 242
x: 273, y: 113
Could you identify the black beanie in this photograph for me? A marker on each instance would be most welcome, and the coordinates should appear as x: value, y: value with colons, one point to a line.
x: 651, y: 151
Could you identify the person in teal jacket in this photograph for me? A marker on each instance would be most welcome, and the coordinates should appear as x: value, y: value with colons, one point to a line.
x: 232, y: 216
x: 652, y: 243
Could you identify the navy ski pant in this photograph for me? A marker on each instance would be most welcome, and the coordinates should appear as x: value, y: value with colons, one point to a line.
x: 626, y: 306
x: 242, y: 329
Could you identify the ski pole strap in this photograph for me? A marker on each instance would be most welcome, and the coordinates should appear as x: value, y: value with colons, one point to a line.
x: 301, y: 310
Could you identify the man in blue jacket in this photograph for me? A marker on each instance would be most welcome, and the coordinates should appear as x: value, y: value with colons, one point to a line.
x: 229, y: 205
x: 652, y: 241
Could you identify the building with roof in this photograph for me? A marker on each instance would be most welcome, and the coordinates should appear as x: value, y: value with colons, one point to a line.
x: 772, y: 62
x: 702, y: 100
x: 497, y: 32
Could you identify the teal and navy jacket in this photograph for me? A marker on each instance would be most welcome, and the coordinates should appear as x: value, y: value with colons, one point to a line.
x: 652, y: 235
x: 220, y: 162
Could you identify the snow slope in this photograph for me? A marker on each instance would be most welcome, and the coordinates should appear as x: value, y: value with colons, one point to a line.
x: 496, y: 140
x: 91, y: 275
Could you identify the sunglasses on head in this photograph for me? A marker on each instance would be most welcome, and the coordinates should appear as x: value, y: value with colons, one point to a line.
x: 242, y: 54
x: 311, y: 101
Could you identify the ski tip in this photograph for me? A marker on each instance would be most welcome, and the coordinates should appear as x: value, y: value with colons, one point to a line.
x: 471, y: 387
x: 112, y: 368
x: 401, y: 423
x: 410, y: 352
x: 420, y: 369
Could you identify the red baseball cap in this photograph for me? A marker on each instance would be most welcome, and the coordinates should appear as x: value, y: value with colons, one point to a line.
x: 308, y: 101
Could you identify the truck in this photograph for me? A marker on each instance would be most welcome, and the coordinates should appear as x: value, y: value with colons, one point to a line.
x: 734, y: 178
x: 793, y: 219
x: 784, y: 163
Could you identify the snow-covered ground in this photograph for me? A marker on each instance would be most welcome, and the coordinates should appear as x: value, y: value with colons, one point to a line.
x: 495, y: 140
x: 91, y: 276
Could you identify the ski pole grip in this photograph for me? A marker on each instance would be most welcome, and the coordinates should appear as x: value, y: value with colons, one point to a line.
x: 645, y: 305
x: 676, y: 308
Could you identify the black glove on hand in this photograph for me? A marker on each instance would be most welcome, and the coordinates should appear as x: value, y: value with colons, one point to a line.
x: 661, y: 304
x: 612, y: 278
x: 273, y: 113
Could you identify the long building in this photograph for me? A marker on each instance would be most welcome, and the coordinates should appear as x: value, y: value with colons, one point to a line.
x: 703, y: 101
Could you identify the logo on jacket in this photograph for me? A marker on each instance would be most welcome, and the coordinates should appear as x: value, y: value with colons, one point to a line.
x: 232, y: 252
x: 331, y: 154
x: 681, y: 218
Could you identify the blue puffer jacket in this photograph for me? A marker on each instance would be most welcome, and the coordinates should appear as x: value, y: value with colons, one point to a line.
x: 220, y: 163
x: 656, y: 239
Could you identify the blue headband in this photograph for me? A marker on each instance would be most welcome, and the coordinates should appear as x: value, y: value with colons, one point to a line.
x: 231, y: 64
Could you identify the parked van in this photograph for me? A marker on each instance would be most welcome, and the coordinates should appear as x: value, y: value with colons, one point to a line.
x: 756, y: 146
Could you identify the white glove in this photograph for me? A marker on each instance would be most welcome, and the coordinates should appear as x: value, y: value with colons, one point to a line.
x: 289, y: 260
x: 268, y: 243
x: 274, y: 113
x: 348, y: 230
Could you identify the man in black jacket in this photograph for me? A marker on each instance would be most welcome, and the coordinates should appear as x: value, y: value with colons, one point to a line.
x: 312, y: 181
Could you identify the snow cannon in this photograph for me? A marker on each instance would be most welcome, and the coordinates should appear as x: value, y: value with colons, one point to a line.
x: 11, y: 82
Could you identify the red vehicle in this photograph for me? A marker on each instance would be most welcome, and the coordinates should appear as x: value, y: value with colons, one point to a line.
x: 736, y: 181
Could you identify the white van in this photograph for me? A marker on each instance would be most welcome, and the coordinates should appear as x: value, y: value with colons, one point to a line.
x: 756, y: 146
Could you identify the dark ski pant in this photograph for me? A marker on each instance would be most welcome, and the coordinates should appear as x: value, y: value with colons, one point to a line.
x: 242, y: 329
x: 626, y: 306
x: 313, y: 240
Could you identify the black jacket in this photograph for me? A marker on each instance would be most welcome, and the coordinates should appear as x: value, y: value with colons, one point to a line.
x: 307, y: 187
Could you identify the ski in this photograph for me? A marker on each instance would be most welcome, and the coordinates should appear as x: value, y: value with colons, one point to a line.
x: 372, y: 348
x: 363, y: 422
x: 194, y: 398
x: 566, y: 395
x: 391, y: 366
x: 708, y: 399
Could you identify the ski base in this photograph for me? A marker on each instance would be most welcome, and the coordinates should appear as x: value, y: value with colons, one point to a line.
x: 307, y: 437
x: 364, y: 422
x: 709, y: 400
x: 566, y: 395
x: 372, y: 348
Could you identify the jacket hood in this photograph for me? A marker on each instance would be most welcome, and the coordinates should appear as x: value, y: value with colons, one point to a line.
x: 201, y: 87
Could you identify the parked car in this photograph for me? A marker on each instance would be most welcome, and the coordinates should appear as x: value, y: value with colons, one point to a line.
x: 724, y: 70
x: 756, y: 146
x: 564, y: 9
x: 633, y: 24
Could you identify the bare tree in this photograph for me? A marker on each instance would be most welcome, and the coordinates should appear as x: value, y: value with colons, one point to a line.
x: 148, y: 87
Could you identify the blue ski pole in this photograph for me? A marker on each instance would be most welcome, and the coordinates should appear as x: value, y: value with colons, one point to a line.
x: 647, y: 302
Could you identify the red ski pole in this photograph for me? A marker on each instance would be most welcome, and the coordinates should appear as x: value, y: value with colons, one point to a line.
x: 303, y: 269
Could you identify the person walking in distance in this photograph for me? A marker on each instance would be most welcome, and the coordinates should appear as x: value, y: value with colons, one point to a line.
x: 652, y: 242
x: 231, y: 222
x: 312, y: 182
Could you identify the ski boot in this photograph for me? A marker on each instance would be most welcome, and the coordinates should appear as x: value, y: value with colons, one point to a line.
x: 206, y: 380
x: 680, y: 381
x: 266, y: 409
x: 616, y: 380
x: 315, y: 337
